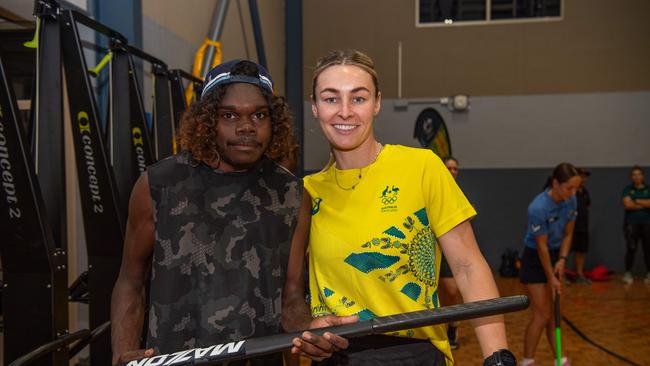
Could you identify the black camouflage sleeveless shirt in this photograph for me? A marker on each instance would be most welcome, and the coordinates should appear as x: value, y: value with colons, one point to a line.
x: 221, y: 249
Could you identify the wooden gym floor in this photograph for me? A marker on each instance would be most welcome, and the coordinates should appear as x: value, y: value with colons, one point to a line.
x: 613, y: 315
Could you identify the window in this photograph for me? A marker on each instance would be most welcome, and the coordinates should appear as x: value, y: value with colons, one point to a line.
x: 432, y: 12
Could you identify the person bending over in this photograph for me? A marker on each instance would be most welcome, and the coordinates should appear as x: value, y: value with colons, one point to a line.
x: 551, y: 217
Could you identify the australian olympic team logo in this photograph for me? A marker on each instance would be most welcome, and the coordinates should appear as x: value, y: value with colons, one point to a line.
x: 389, y: 195
x: 389, y: 198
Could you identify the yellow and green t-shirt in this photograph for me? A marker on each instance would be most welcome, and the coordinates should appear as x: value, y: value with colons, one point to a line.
x: 373, y: 249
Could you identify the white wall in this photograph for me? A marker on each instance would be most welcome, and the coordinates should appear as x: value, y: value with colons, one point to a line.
x: 532, y: 131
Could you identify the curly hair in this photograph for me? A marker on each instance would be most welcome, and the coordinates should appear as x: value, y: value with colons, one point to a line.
x: 198, y: 128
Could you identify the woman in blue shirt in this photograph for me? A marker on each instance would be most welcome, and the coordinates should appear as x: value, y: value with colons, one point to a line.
x: 551, y: 217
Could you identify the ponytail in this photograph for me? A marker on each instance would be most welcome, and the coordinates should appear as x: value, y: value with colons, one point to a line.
x: 562, y: 173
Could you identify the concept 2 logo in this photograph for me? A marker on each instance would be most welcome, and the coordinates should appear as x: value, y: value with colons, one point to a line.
x: 89, y: 161
x: 7, y: 175
x: 138, y: 142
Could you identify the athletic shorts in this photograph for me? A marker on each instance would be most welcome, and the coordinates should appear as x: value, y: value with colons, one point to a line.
x: 382, y: 350
x: 580, y: 242
x: 445, y: 270
x: 531, y: 270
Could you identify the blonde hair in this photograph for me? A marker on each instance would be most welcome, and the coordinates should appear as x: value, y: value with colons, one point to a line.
x: 345, y: 57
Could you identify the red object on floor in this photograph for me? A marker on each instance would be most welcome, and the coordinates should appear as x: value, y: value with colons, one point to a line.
x: 598, y: 273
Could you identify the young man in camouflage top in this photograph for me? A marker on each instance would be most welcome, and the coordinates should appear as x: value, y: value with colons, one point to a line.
x: 212, y: 227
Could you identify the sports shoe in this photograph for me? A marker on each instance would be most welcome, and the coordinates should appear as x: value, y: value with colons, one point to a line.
x: 452, y: 334
x: 627, y: 278
x: 647, y: 279
x: 565, y: 361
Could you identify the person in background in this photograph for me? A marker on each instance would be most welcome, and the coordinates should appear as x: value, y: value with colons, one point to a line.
x: 551, y: 218
x: 580, y: 243
x: 636, y: 227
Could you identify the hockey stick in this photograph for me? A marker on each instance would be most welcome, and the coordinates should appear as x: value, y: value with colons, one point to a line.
x: 265, y: 345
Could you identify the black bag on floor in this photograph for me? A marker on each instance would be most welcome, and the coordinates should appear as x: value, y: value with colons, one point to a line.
x: 508, y: 267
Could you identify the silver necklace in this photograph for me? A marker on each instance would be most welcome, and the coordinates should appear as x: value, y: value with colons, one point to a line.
x: 336, y: 178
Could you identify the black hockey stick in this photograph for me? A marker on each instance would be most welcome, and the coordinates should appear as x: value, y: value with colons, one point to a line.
x: 265, y: 345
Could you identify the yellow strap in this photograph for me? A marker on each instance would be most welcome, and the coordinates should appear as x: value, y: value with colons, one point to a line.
x: 216, y: 60
x: 34, y: 42
x: 198, y: 61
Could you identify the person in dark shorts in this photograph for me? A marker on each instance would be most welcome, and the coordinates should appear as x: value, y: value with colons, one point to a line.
x: 212, y: 227
x: 551, y: 218
x: 449, y: 294
x: 636, y: 227
x: 580, y: 242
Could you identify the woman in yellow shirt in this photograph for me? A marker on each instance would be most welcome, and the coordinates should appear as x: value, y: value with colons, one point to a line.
x: 380, y: 215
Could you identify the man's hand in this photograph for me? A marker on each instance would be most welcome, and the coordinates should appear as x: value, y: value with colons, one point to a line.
x: 133, y: 355
x: 318, y: 347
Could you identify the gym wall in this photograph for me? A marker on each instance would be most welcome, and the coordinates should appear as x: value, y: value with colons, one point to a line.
x: 597, y: 46
x: 501, y: 197
x: 526, y: 131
